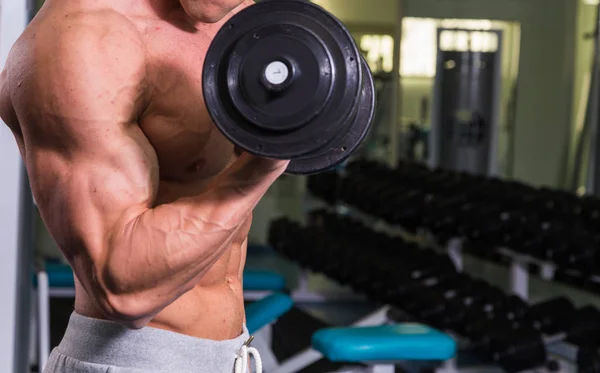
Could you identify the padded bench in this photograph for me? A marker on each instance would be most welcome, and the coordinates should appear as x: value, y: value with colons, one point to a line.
x: 385, y: 343
x: 380, y: 348
x: 59, y: 276
x: 255, y: 280
x: 266, y: 311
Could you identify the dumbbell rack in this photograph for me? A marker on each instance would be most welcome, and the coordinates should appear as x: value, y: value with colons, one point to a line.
x: 519, y: 285
x: 306, y: 243
x: 519, y: 267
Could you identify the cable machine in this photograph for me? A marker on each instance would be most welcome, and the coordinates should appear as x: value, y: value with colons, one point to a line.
x: 466, y: 101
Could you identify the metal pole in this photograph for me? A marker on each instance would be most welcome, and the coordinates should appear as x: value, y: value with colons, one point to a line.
x: 593, y: 179
x: 15, y: 221
x: 519, y: 278
x: 396, y: 106
x: 455, y: 253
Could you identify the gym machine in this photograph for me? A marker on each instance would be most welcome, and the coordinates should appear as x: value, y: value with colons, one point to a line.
x: 16, y: 220
x: 466, y: 101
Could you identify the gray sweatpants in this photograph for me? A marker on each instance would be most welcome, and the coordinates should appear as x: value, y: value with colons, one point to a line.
x: 98, y: 346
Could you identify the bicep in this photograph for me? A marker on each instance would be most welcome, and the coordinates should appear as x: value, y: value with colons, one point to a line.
x: 78, y: 90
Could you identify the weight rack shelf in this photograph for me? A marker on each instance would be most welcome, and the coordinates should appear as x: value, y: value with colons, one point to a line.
x: 499, y: 254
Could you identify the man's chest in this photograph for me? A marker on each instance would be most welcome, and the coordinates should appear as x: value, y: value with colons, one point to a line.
x: 189, y: 147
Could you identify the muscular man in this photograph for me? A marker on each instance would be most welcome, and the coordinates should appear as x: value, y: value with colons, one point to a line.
x: 147, y: 200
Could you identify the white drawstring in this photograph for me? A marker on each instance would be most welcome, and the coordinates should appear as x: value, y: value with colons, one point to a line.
x: 241, y: 362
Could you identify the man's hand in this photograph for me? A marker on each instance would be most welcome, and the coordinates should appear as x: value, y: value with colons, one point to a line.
x: 243, y: 183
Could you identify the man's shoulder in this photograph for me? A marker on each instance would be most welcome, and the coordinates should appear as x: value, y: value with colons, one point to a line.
x: 74, y: 41
x: 77, y: 35
x: 101, y: 27
x: 68, y: 57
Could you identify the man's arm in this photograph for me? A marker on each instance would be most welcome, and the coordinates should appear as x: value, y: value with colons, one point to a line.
x: 95, y: 175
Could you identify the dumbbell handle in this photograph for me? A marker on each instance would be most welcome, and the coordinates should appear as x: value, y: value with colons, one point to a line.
x: 546, y: 340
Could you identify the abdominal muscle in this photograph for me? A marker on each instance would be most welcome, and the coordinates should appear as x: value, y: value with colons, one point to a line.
x: 213, y: 309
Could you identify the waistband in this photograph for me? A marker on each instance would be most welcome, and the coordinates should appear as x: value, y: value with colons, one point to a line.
x: 108, y: 343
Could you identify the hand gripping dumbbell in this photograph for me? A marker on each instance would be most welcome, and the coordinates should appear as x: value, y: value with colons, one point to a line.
x: 284, y: 79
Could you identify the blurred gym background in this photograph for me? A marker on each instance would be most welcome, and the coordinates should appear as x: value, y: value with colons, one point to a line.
x: 500, y: 88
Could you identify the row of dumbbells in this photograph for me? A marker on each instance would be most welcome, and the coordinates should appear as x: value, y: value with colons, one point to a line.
x: 483, y: 224
x: 550, y: 203
x: 562, y: 210
x: 501, y: 328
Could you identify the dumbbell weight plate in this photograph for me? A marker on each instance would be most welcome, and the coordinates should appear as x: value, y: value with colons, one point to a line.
x: 585, y: 326
x: 552, y: 316
x: 284, y: 79
x: 588, y: 359
x: 518, y: 351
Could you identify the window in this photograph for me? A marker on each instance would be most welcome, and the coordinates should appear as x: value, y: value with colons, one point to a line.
x: 419, y: 44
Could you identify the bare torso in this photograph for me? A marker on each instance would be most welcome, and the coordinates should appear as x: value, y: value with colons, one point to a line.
x: 190, y: 151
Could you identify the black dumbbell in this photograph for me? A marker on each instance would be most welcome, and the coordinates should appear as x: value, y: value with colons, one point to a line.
x: 590, y: 211
x: 581, y: 254
x: 402, y: 266
x: 488, y: 336
x: 511, y: 353
x: 432, y: 305
x: 549, y: 317
x: 584, y: 326
x: 282, y: 233
x: 285, y: 80
x: 401, y: 284
x: 405, y: 209
x: 353, y: 188
x: 324, y: 186
x: 588, y: 359
x: 510, y: 338
x: 518, y: 350
x: 484, y: 304
x: 440, y: 215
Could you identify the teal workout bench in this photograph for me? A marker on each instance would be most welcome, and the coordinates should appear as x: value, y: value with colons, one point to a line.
x: 366, y: 343
x: 371, y: 349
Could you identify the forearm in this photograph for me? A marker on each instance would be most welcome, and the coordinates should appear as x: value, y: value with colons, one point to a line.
x: 163, y: 252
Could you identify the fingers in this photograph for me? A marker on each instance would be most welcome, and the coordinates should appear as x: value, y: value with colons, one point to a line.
x: 250, y: 169
x: 248, y: 178
x: 236, y: 192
